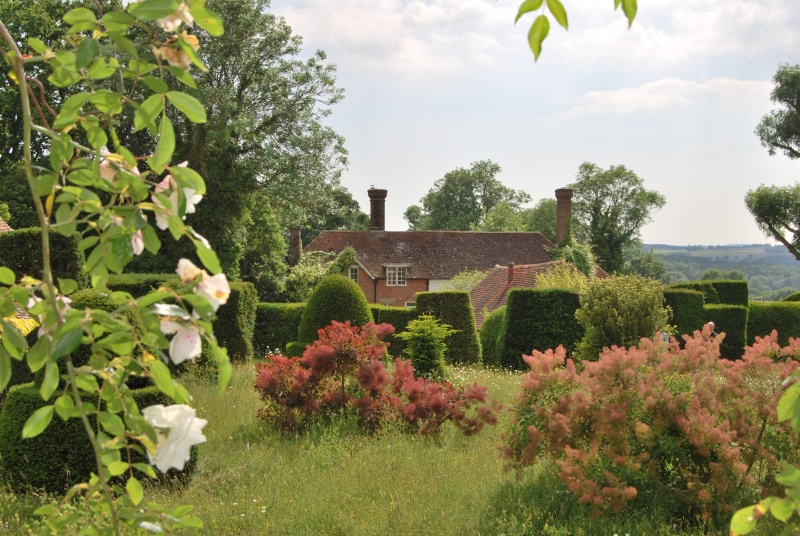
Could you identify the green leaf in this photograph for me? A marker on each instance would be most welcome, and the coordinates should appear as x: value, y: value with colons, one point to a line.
x: 153, y: 9
x: 207, y: 19
x: 743, y: 521
x: 37, y: 356
x: 151, y: 240
x: 37, y: 422
x: 112, y: 424
x: 65, y: 407
x: 559, y: 13
x: 7, y: 277
x: 5, y: 369
x: 79, y: 14
x: 117, y: 468
x: 162, y: 377
x: 187, y: 104
x: 789, y: 402
x: 783, y: 509
x: 37, y: 45
x: 67, y: 286
x: 46, y: 510
x: 62, y: 77
x: 789, y: 477
x: 208, y: 257
x: 97, y: 138
x: 527, y: 6
x: 165, y: 147
x: 538, y: 32
x: 188, y: 178
x: 182, y: 76
x: 66, y: 344
x: 87, y: 382
x: 108, y: 102
x: 82, y: 27
x: 13, y: 340
x: 87, y: 52
x: 629, y: 7
x: 147, y: 113
x: 117, y: 21
x: 102, y: 68
x: 155, y: 84
x: 124, y: 44
x: 151, y: 298
x: 50, y: 381
x: 135, y: 490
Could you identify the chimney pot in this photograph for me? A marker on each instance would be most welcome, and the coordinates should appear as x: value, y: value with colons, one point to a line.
x: 563, y: 213
x: 510, y: 272
x: 377, y: 209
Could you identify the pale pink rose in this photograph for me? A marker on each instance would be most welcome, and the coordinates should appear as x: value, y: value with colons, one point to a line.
x: 187, y: 270
x: 185, y: 344
x: 168, y: 326
x: 177, y: 429
x: 137, y: 242
x: 214, y: 288
x: 170, y: 23
x: 109, y: 170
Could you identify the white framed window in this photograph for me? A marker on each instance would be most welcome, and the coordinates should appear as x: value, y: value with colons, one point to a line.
x: 353, y: 273
x: 411, y: 304
x: 396, y: 276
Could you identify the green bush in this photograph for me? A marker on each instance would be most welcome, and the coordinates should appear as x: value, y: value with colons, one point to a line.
x: 399, y: 317
x: 235, y: 320
x: 619, y: 311
x: 276, y: 326
x: 137, y: 285
x: 61, y: 456
x: 425, y: 336
x: 338, y: 298
x: 539, y: 319
x: 21, y: 251
x: 763, y: 317
x: 792, y: 297
x: 705, y: 286
x: 726, y: 291
x: 731, y: 319
x: 454, y: 308
x: 491, y: 335
x: 295, y: 348
x: 687, y: 305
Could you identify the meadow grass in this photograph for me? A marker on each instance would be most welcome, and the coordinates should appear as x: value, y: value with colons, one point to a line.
x: 334, y: 480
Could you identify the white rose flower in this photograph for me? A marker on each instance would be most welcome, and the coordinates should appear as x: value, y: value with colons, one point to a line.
x: 170, y: 23
x: 214, y: 288
x: 177, y: 429
x: 186, y: 344
x: 137, y: 241
x: 187, y: 270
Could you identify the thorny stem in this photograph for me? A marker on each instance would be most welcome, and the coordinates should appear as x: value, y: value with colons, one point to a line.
x: 47, y: 272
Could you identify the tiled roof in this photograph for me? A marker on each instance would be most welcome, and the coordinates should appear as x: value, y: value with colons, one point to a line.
x: 4, y: 227
x: 436, y: 254
x: 491, y: 293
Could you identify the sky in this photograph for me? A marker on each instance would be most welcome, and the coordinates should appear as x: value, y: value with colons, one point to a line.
x: 434, y: 85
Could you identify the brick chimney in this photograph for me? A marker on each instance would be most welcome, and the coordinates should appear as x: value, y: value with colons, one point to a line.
x: 295, y: 246
x: 563, y: 213
x: 510, y: 272
x: 377, y: 209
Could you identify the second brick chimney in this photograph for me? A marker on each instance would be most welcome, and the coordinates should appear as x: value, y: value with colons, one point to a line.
x: 377, y: 209
x: 563, y: 213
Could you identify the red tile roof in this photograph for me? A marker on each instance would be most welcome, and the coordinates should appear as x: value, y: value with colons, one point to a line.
x: 491, y: 293
x: 4, y: 227
x: 436, y: 254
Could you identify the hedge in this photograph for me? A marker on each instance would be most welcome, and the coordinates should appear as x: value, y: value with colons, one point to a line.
x: 21, y: 251
x: 491, y: 335
x: 137, y: 285
x: 731, y: 292
x: 795, y: 296
x: 732, y: 320
x: 235, y: 321
x: 688, y: 313
x: 61, y: 456
x: 539, y: 319
x: 454, y: 308
x: 765, y: 316
x: 399, y: 317
x: 276, y: 326
x: 336, y: 297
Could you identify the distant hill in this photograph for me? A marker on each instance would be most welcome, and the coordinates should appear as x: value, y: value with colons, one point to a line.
x: 733, y: 253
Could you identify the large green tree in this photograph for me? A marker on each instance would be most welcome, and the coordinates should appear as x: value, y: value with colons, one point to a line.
x: 776, y: 210
x: 461, y: 199
x: 779, y: 130
x: 610, y: 207
x: 507, y: 216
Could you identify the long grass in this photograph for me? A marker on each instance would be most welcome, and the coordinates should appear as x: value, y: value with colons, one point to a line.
x: 334, y: 480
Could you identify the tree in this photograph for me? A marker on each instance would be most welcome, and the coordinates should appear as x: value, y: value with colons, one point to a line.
x: 646, y: 264
x: 609, y: 209
x: 507, y: 216
x: 462, y: 198
x: 339, y: 211
x: 779, y: 130
x: 776, y: 210
x: 542, y: 218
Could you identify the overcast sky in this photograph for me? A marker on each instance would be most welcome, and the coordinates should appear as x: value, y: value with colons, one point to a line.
x: 432, y: 85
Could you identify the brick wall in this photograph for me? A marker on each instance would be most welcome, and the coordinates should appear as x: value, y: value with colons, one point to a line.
x: 396, y: 295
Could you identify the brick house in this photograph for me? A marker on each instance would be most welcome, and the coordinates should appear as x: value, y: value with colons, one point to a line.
x: 392, y: 266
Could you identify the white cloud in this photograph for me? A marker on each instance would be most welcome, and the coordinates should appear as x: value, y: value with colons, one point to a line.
x: 666, y: 93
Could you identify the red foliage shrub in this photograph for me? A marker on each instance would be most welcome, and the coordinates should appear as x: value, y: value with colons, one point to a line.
x: 343, y: 370
x: 658, y: 419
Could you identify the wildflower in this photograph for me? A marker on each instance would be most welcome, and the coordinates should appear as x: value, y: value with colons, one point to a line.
x: 185, y: 345
x: 187, y: 270
x: 137, y: 242
x: 214, y: 288
x: 169, y: 187
x: 177, y: 430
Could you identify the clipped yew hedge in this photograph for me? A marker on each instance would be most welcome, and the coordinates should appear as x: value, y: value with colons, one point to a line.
x: 399, y: 317
x: 539, y: 319
x: 731, y: 292
x: 137, y: 285
x: 732, y: 320
x: 21, y: 251
x: 454, y: 308
x: 688, y: 309
x: 235, y: 321
x: 491, y: 335
x: 276, y: 326
x: 783, y: 316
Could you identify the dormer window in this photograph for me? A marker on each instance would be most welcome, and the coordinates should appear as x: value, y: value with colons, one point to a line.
x: 396, y: 275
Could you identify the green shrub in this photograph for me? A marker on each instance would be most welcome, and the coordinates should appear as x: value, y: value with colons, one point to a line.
x: 705, y: 286
x: 276, y: 326
x: 399, y: 317
x: 491, y: 335
x: 763, y: 317
x: 61, y: 456
x: 732, y: 292
x: 336, y: 297
x: 687, y: 309
x: 295, y: 348
x: 425, y: 336
x: 137, y: 285
x: 454, y: 308
x: 792, y: 297
x: 731, y: 319
x: 539, y: 320
x: 21, y: 250
x: 235, y: 320
x: 619, y: 311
